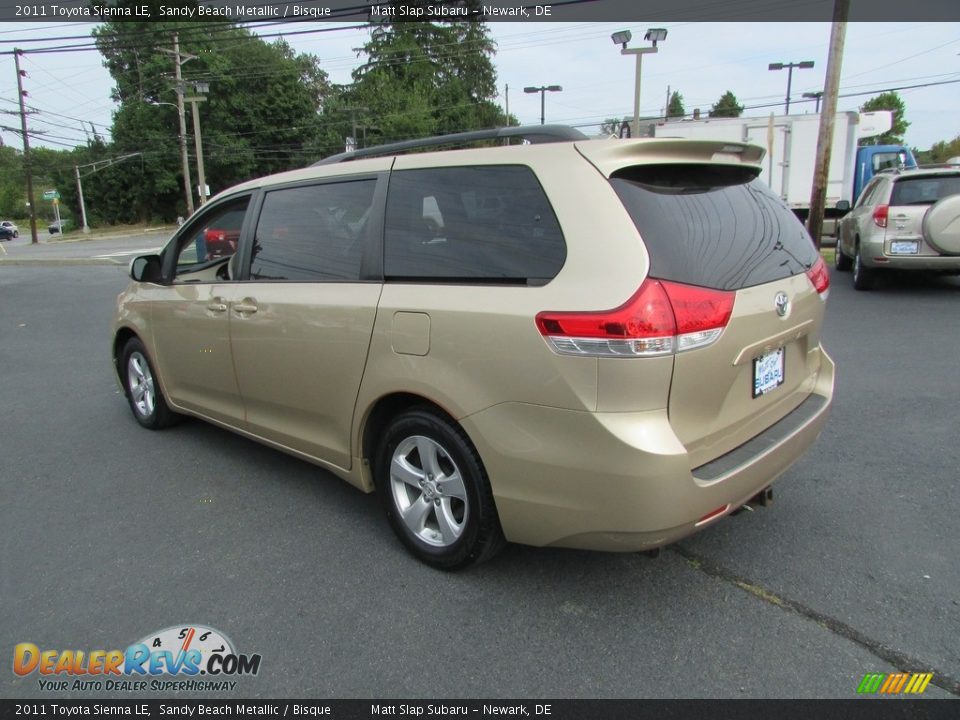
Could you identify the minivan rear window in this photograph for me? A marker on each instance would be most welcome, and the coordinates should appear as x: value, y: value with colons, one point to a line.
x: 713, y: 226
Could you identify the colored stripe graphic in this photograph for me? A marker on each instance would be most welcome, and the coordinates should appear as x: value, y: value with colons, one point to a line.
x: 894, y: 683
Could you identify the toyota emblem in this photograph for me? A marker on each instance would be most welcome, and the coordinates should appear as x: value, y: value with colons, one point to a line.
x: 782, y: 303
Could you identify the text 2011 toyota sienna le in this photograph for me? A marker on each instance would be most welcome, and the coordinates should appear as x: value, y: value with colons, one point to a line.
x: 602, y: 344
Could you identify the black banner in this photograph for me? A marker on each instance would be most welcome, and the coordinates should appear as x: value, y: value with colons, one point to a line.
x: 861, y: 709
x: 491, y: 10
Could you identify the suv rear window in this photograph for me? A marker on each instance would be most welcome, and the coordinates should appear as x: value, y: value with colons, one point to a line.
x: 925, y: 190
x: 471, y: 224
x: 713, y: 226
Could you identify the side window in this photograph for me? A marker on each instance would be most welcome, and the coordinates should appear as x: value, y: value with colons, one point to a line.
x: 313, y: 233
x: 469, y: 224
x: 867, y: 192
x: 209, y: 238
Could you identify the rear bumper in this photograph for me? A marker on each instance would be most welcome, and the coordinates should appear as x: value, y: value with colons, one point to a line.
x: 622, y: 481
x: 876, y: 254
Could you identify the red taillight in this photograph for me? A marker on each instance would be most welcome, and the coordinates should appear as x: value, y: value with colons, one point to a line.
x: 820, y: 277
x: 661, y: 318
x: 880, y: 215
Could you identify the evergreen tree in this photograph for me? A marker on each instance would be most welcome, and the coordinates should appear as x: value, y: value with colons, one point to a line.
x: 726, y: 106
x: 675, y: 109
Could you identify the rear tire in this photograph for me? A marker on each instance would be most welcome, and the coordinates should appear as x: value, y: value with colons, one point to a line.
x: 143, y: 392
x: 863, y: 277
x: 435, y: 491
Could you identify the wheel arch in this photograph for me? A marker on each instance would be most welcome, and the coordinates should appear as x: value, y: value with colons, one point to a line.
x: 383, y: 410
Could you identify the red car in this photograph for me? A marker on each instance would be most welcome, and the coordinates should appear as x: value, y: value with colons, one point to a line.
x: 220, y: 243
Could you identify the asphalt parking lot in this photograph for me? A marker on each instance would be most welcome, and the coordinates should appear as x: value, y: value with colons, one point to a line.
x: 110, y: 532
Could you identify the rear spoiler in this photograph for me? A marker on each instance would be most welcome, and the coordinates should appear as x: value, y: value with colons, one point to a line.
x: 608, y: 156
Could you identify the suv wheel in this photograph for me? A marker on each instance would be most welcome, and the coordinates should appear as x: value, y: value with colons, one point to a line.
x: 863, y: 276
x: 435, y: 491
x: 840, y: 261
x: 143, y: 392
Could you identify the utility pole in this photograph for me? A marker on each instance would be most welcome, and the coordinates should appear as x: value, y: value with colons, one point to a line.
x: 353, y: 110
x: 83, y: 208
x: 818, y: 195
x: 200, y: 87
x: 26, y: 146
x: 185, y: 165
x: 666, y: 106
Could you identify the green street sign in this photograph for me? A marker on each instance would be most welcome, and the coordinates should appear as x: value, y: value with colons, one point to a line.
x: 51, y: 195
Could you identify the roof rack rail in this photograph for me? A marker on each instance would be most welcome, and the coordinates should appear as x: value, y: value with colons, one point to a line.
x: 533, y: 133
x: 934, y: 166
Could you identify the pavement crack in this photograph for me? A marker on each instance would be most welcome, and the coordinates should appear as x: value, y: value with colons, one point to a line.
x: 899, y: 660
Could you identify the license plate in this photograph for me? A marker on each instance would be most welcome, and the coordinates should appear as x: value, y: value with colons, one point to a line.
x: 768, y: 372
x: 904, y: 247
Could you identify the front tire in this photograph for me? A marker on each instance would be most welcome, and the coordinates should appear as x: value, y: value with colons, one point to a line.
x: 143, y: 392
x: 435, y: 491
x: 841, y: 262
x: 863, y: 276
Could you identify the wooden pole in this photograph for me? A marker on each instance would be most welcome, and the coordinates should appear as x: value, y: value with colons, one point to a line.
x: 841, y: 10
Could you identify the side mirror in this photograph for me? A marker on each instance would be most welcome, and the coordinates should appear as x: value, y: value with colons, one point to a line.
x: 145, y: 268
x: 843, y: 205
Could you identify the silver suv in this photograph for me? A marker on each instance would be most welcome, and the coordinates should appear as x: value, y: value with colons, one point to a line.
x: 603, y: 344
x: 903, y: 220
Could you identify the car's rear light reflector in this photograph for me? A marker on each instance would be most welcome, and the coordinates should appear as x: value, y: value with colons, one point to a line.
x: 880, y: 215
x: 712, y: 514
x: 820, y: 277
x: 661, y: 318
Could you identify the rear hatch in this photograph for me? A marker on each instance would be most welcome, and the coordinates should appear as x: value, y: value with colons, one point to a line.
x: 747, y: 289
x: 910, y: 199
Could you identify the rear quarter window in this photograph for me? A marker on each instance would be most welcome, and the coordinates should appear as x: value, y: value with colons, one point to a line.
x: 471, y: 224
x: 713, y: 226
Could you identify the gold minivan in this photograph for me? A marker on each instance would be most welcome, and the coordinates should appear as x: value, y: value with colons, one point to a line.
x: 601, y: 344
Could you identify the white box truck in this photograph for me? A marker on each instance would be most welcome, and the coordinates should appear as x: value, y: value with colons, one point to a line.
x: 791, y: 144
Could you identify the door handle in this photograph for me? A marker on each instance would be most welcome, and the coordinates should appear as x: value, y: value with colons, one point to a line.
x: 217, y: 305
x: 247, y: 306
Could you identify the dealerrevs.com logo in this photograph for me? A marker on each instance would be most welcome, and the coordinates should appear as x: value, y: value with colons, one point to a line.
x: 178, y: 658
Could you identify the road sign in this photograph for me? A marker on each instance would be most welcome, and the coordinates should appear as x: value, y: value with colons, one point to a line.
x: 51, y: 195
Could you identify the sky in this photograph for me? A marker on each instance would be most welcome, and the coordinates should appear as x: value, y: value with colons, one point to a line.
x: 700, y: 60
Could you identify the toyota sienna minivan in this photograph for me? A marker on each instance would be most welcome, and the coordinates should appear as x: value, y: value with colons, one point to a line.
x: 600, y: 344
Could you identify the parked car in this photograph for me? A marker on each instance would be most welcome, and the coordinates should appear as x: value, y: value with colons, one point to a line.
x: 903, y: 220
x: 57, y: 226
x: 6, y: 233
x: 601, y: 344
x: 14, y: 230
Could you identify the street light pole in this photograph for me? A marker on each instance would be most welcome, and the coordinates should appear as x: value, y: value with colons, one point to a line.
x: 804, y: 65
x: 813, y: 95
x: 622, y: 37
x: 543, y: 90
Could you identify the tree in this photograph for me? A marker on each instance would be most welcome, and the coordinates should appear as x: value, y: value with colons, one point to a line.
x: 887, y: 101
x: 423, y: 78
x: 942, y: 151
x: 726, y: 106
x: 261, y: 115
x: 675, y: 108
